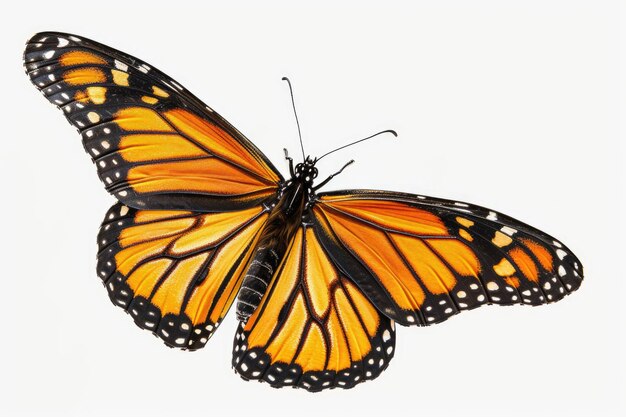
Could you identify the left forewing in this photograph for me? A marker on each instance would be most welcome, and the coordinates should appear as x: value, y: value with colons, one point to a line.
x: 176, y: 272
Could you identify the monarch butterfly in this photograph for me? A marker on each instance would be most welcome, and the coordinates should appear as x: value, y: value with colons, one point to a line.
x: 321, y: 277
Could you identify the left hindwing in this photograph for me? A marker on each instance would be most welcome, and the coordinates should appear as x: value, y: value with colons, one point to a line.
x: 155, y: 145
x: 421, y: 260
x: 176, y: 272
x: 314, y: 328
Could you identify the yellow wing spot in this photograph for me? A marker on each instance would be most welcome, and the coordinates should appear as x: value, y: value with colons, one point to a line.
x: 93, y: 117
x: 80, y: 57
x: 149, y: 100
x: 159, y: 92
x: 463, y: 233
x: 501, y: 240
x: 465, y: 222
x: 120, y: 77
x: 84, y: 76
x: 504, y: 268
x: 97, y: 95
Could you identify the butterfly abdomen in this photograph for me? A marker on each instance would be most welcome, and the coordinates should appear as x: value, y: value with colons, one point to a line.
x: 282, y: 224
x: 256, y: 281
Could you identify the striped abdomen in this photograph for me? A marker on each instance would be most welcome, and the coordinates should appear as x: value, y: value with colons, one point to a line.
x: 283, y: 222
x: 256, y: 281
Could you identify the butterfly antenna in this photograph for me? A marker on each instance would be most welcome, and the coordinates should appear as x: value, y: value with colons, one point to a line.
x: 393, y: 132
x: 293, y: 103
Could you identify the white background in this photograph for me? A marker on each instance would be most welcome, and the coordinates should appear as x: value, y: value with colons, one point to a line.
x: 511, y: 105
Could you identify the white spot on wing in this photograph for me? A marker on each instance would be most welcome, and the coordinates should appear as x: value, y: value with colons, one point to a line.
x: 121, y: 66
x: 386, y: 336
x: 63, y: 42
x: 508, y: 230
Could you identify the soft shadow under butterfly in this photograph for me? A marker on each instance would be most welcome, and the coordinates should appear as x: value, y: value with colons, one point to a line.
x: 203, y: 216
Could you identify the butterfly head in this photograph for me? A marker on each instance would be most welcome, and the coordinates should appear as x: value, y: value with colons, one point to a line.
x: 306, y: 171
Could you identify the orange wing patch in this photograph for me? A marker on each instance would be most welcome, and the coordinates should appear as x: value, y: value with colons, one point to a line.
x: 177, y: 273
x: 421, y: 260
x: 82, y: 76
x: 218, y: 141
x: 155, y: 145
x: 72, y: 58
x: 313, y: 328
x: 411, y: 262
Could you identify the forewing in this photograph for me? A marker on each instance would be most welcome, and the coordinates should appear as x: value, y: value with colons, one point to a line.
x: 155, y: 145
x: 176, y: 272
x: 313, y: 328
x: 421, y: 260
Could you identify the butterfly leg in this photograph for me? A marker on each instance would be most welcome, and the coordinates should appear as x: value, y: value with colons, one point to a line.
x: 290, y: 159
x: 323, y: 183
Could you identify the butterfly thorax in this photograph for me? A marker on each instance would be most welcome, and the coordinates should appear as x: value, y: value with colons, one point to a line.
x: 284, y: 219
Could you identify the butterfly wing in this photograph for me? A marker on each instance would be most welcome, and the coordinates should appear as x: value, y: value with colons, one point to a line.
x: 421, y: 260
x: 155, y: 145
x: 313, y: 328
x: 176, y: 272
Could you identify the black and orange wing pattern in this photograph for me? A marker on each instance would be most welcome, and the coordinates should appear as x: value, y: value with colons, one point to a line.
x: 421, y: 260
x: 155, y: 145
x: 176, y: 272
x: 314, y: 328
x: 196, y: 199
